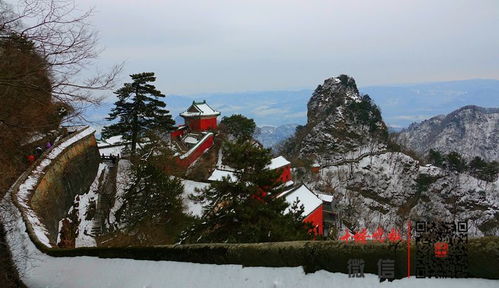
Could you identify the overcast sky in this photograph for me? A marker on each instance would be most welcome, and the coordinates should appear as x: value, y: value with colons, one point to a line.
x: 200, y: 46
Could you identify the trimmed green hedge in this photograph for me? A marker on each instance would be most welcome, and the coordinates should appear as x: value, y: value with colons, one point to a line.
x: 483, y: 255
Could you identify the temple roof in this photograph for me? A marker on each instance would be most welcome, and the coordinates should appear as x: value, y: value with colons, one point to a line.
x: 278, y: 162
x: 199, y: 109
x: 308, y: 199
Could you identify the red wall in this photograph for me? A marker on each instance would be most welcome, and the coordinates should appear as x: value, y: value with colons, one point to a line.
x: 197, y: 124
x: 185, y: 162
x: 317, y: 219
x: 194, y: 124
x: 285, y: 174
x: 179, y: 132
x: 209, y: 123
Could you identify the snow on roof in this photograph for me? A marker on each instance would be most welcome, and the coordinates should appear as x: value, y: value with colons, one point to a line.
x: 325, y: 197
x: 217, y: 175
x: 278, y: 162
x: 201, y: 108
x: 308, y: 198
x: 191, y: 140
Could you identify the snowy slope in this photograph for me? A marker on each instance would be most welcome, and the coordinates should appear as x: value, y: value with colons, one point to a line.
x: 471, y: 131
x: 382, y: 190
x: 193, y: 208
x: 83, y: 204
x: 39, y: 270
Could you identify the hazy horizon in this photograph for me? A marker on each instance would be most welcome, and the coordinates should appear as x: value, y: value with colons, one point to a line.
x: 232, y: 46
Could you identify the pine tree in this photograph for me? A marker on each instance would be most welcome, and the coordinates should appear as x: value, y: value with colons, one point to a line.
x: 240, y: 211
x: 238, y: 126
x: 153, y: 203
x: 139, y: 109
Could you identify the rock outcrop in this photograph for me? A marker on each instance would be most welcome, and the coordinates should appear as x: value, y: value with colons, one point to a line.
x: 471, y: 131
x: 339, y: 121
x: 374, y: 185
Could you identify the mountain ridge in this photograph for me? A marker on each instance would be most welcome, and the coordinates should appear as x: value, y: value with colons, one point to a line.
x: 470, y: 130
x: 375, y: 183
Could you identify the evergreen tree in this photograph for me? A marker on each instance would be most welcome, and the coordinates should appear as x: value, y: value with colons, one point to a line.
x: 240, y: 210
x: 484, y: 170
x: 436, y: 158
x: 153, y: 199
x: 455, y: 162
x: 138, y: 109
x: 238, y: 126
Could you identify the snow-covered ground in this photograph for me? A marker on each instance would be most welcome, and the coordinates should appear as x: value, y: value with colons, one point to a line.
x: 26, y: 189
x: 193, y: 208
x: 122, y: 182
x: 114, y: 150
x: 40, y: 270
x: 84, y: 237
x: 218, y: 175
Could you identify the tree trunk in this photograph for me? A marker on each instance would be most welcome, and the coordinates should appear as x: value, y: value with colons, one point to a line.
x: 135, y: 126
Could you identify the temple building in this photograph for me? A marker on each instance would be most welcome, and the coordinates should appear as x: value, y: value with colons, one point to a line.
x: 200, y: 117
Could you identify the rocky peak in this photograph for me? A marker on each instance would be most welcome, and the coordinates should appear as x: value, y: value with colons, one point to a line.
x: 339, y: 121
x: 335, y: 91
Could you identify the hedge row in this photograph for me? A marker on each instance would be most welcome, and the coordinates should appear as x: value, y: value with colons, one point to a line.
x: 483, y: 255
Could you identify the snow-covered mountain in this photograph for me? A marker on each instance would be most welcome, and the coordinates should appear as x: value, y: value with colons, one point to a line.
x: 373, y: 184
x: 339, y: 121
x: 270, y: 136
x: 471, y: 131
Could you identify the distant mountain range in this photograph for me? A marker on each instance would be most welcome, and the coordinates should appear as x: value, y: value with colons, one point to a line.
x: 471, y: 131
x: 270, y: 136
x: 400, y: 105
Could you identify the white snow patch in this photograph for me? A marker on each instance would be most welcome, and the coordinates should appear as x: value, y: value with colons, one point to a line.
x: 218, y: 175
x: 115, y: 150
x: 122, y: 183
x: 193, y: 208
x: 83, y: 237
x: 114, y: 140
x: 190, y: 140
x: 325, y: 197
x: 278, y: 162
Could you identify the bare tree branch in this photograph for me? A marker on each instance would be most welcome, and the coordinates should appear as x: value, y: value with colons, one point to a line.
x: 62, y: 36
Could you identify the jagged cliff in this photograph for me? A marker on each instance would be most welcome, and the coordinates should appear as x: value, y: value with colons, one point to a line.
x: 372, y: 183
x: 471, y: 131
x: 339, y: 121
